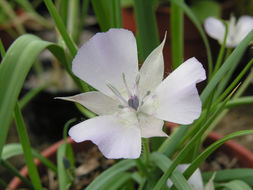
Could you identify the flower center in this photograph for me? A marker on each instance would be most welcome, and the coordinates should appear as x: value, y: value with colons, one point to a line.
x: 133, y: 95
x: 133, y: 102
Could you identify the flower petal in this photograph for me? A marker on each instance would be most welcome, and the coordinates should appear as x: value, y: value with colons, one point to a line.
x: 215, y: 28
x: 105, y: 57
x: 195, y: 181
x: 243, y: 26
x: 176, y: 99
x: 152, y: 70
x: 150, y: 126
x: 95, y: 101
x: 114, y: 137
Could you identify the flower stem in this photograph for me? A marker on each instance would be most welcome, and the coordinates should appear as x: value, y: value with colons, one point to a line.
x: 146, y: 151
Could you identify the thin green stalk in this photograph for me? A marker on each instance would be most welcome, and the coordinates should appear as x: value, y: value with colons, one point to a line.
x: 66, y: 127
x: 146, y: 26
x: 60, y: 26
x: 222, y: 50
x: 232, y: 85
x: 15, y: 172
x: 146, y: 151
x: 2, y: 50
x: 85, y: 111
x: 181, y: 155
x: 142, y: 168
x: 116, y: 16
x: 244, y: 85
x: 177, y: 32
x: 237, y: 94
x: 170, y: 145
x: 24, y: 139
x: 73, y: 18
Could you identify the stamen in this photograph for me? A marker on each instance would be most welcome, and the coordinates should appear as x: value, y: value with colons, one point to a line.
x: 125, y: 83
x: 145, y: 96
x: 117, y: 93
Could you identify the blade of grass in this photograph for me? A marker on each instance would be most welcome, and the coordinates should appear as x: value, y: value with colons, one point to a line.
x: 117, y: 17
x: 164, y: 163
x: 2, y: 50
x: 15, y: 149
x: 177, y: 32
x: 110, y: 173
x: 24, y: 139
x: 231, y: 174
x: 146, y: 26
x: 73, y: 19
x: 14, y: 68
x: 103, y: 11
x: 15, y: 172
x: 232, y: 60
x: 61, y: 27
x: 193, y: 18
x: 195, y: 164
x: 181, y: 155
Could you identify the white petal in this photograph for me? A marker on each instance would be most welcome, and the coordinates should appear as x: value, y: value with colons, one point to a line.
x: 176, y: 99
x: 151, y: 73
x: 195, y: 181
x: 113, y: 136
x: 215, y: 28
x: 150, y: 126
x: 105, y: 57
x: 243, y: 26
x: 95, y: 101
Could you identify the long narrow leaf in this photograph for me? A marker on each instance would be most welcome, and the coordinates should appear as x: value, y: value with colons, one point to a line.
x: 177, y: 178
x: 232, y: 60
x: 243, y: 174
x: 195, y: 164
x: 24, y: 139
x: 194, y: 19
x: 177, y: 34
x: 14, y: 68
x: 146, y: 26
x: 110, y: 173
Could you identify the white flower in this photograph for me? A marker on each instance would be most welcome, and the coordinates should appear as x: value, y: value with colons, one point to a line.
x: 195, y: 181
x: 215, y: 28
x: 131, y: 104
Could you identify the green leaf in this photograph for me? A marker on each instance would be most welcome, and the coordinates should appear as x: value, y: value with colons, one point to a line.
x: 15, y: 149
x: 177, y: 35
x: 61, y: 27
x: 64, y: 181
x: 196, y: 162
x: 164, y: 163
x: 232, y: 60
x: 235, y: 185
x: 244, y: 174
x: 103, y: 10
x: 110, y: 173
x: 206, y: 8
x: 118, y: 181
x: 196, y: 22
x: 26, y: 146
x: 146, y: 27
x: 14, y: 68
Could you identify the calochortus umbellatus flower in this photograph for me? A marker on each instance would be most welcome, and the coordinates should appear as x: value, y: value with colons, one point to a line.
x: 216, y: 29
x: 131, y: 103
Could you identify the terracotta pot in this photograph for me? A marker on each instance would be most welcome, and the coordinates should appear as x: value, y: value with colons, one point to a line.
x: 193, y: 43
x: 233, y: 149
